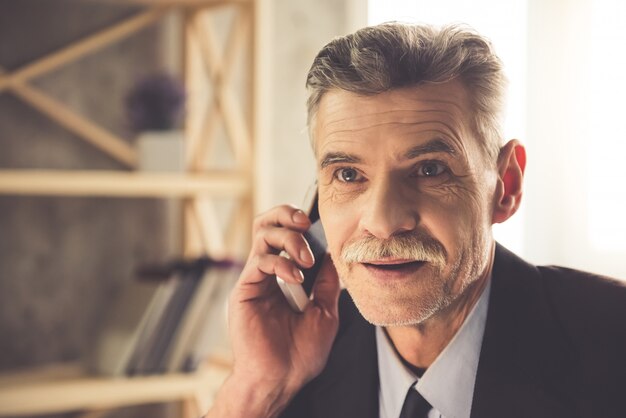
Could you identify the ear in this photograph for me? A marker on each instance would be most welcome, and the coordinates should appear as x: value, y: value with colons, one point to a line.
x: 508, y: 194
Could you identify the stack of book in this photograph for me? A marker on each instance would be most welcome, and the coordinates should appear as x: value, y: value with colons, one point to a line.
x: 167, y: 321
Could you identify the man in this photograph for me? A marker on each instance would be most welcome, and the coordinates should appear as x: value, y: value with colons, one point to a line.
x: 412, y: 174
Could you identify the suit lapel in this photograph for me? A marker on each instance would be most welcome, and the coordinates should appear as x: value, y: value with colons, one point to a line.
x: 348, y: 386
x: 523, y: 368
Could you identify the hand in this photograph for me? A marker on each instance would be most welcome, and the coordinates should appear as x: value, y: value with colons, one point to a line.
x: 277, y: 350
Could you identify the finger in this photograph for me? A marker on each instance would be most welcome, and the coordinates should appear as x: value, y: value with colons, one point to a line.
x: 326, y: 289
x: 258, y: 278
x: 262, y: 266
x: 284, y: 215
x: 274, y: 240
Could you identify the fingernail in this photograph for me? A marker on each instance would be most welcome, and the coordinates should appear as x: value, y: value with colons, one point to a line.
x: 297, y: 274
x: 306, y: 256
x: 299, y: 217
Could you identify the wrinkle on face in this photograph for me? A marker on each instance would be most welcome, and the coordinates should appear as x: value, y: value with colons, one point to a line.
x: 403, y: 116
x: 387, y: 139
x: 387, y: 118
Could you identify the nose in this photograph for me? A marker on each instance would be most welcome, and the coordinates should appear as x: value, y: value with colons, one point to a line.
x: 388, y: 211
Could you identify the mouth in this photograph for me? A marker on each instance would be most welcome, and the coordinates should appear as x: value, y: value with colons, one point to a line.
x: 393, y: 268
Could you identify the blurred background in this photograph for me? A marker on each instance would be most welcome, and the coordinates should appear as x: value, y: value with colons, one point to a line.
x: 90, y: 194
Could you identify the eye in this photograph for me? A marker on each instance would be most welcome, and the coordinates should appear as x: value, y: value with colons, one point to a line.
x: 431, y: 169
x: 347, y: 175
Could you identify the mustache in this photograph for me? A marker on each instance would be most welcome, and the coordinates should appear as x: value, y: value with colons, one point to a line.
x: 417, y: 246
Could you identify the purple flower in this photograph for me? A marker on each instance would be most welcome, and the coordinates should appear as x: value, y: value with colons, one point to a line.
x: 156, y: 102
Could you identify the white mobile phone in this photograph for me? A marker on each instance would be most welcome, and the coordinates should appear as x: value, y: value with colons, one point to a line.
x: 299, y: 295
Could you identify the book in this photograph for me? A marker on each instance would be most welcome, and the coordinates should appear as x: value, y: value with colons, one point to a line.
x: 148, y: 330
x: 167, y: 323
x: 153, y: 358
x: 212, y: 332
x: 136, y: 308
x: 204, y: 319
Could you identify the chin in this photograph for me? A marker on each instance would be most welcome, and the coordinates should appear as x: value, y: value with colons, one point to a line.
x: 400, y: 303
x: 399, y: 310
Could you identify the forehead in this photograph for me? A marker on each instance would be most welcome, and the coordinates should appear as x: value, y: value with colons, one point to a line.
x: 431, y: 110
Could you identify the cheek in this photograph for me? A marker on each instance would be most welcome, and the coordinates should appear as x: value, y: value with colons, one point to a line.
x: 339, y: 222
x: 454, y: 220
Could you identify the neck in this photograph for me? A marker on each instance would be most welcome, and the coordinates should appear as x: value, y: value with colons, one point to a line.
x: 419, y: 345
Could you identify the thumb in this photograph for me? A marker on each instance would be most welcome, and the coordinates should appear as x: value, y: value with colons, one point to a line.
x: 326, y: 288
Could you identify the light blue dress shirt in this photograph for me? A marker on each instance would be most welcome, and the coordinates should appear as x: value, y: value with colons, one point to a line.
x: 448, y: 384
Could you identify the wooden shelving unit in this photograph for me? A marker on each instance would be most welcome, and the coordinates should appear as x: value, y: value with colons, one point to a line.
x: 60, y: 389
x: 205, y: 64
x: 124, y: 184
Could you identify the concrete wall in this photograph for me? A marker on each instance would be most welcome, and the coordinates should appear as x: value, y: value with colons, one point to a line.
x: 63, y: 259
x: 300, y: 29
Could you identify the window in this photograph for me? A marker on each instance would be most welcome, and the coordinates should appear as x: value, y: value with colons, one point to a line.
x: 606, y: 165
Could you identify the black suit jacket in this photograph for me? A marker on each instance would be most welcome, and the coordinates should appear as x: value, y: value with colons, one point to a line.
x: 554, y: 346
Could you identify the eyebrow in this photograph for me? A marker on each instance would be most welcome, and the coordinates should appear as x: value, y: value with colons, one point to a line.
x: 432, y: 146
x: 338, y: 157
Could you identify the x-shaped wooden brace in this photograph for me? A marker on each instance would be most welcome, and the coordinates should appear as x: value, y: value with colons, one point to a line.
x: 17, y: 83
x: 223, y: 103
x: 203, y: 227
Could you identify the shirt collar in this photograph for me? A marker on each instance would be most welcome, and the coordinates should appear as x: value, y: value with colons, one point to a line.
x: 395, y: 379
x: 448, y: 384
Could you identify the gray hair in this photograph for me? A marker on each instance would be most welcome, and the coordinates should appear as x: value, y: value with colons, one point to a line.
x: 393, y: 55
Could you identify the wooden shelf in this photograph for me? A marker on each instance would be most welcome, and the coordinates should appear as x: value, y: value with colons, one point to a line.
x: 61, y: 390
x: 123, y: 184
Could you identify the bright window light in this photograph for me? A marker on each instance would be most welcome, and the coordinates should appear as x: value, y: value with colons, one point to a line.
x: 606, y: 166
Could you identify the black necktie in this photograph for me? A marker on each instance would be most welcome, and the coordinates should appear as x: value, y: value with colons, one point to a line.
x: 415, y: 406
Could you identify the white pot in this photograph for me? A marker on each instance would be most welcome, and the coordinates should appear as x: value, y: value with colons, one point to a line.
x: 161, y: 151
